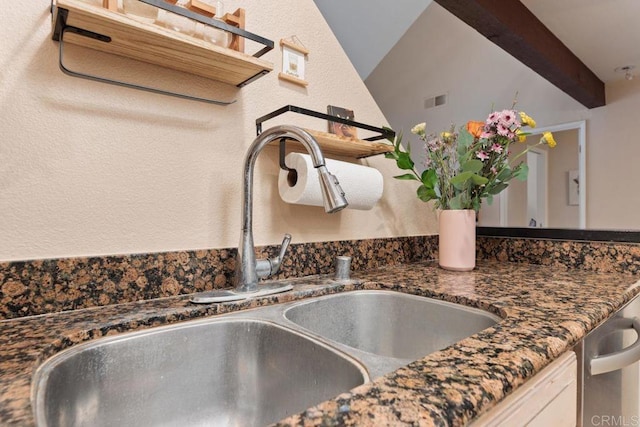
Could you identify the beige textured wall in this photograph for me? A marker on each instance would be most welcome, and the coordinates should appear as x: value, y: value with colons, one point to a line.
x: 613, y: 150
x: 476, y: 75
x: 92, y: 169
x: 562, y: 159
x: 517, y: 196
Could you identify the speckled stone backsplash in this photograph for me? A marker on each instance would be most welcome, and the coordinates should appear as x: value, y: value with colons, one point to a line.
x: 604, y: 257
x: 45, y: 286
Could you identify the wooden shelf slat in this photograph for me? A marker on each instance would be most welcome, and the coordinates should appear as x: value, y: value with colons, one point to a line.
x: 158, y: 45
x: 334, y: 145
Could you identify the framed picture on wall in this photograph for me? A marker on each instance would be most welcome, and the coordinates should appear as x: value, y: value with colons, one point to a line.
x: 294, y: 56
x: 574, y: 188
x: 341, y: 129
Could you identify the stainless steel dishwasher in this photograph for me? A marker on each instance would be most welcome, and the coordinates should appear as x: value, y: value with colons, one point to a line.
x: 609, y: 371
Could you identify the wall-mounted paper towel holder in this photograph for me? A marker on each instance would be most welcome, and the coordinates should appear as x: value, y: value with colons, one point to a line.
x: 283, y: 164
x: 292, y: 174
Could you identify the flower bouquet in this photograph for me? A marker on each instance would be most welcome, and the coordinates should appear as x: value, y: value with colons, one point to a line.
x: 465, y: 166
x: 462, y: 168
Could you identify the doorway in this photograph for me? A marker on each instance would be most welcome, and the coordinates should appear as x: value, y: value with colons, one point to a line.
x: 537, y: 185
x: 558, y: 200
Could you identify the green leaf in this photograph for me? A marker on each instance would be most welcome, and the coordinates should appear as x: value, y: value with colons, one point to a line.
x: 461, y: 178
x: 429, y: 178
x: 456, y: 202
x: 479, y: 180
x: 407, y: 177
x: 505, y: 174
x: 521, y: 172
x: 464, y: 158
x: 490, y: 199
x: 425, y: 194
x: 465, y: 139
x: 398, y: 143
x: 404, y: 161
x: 496, y: 189
x: 391, y: 155
x: 473, y: 165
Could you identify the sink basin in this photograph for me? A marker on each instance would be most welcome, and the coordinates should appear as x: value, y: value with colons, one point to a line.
x: 389, y: 323
x: 200, y: 373
x: 249, y: 368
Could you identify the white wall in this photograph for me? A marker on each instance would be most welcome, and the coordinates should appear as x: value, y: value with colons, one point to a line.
x: 439, y: 54
x: 92, y: 169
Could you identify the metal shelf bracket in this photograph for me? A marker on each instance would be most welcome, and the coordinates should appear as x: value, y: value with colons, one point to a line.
x: 384, y: 133
x: 99, y: 79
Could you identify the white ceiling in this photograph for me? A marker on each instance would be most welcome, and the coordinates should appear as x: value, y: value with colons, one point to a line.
x: 604, y: 34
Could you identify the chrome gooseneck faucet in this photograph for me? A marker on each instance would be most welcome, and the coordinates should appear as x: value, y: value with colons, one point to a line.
x: 249, y: 270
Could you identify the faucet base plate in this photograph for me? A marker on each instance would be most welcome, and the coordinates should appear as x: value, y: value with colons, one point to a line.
x: 226, y: 295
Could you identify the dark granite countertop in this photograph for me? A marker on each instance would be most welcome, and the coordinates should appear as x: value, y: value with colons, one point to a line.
x: 545, y: 311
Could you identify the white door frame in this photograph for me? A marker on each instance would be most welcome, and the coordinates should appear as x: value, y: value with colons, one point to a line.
x: 581, y: 127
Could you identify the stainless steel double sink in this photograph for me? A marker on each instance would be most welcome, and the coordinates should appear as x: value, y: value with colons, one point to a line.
x: 249, y: 368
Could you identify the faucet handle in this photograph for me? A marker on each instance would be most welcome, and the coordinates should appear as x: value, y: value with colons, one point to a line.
x: 275, y: 262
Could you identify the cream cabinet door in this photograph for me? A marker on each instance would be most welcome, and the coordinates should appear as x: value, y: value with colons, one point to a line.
x: 548, y: 399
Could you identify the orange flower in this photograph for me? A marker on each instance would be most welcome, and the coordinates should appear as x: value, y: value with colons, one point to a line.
x: 475, y: 128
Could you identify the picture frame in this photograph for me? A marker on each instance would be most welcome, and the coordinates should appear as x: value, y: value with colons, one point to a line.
x: 294, y: 57
x: 574, y: 187
x: 342, y: 129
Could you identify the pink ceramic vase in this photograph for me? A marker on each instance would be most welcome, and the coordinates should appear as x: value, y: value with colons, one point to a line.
x: 457, y: 240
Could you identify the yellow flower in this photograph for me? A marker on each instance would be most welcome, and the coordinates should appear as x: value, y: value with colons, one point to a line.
x: 445, y: 135
x: 547, y: 138
x: 526, y: 120
x: 420, y: 129
x: 522, y: 137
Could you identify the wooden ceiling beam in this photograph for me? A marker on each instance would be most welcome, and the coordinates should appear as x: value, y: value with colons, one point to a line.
x: 511, y: 26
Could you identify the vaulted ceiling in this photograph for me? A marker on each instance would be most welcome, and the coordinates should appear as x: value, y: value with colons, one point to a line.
x: 516, y: 30
x: 568, y: 42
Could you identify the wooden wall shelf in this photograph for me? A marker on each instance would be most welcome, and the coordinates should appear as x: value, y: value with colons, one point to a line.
x: 156, y: 45
x: 332, y: 144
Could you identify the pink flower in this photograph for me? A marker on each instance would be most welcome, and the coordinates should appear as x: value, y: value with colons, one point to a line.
x: 494, y: 170
x: 427, y: 158
x: 482, y: 155
x: 433, y: 144
x: 508, y: 118
x: 487, y: 135
x: 503, y: 130
x: 496, y: 148
x: 493, y: 117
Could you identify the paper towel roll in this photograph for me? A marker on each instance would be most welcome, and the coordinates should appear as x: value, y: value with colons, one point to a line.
x: 362, y: 185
